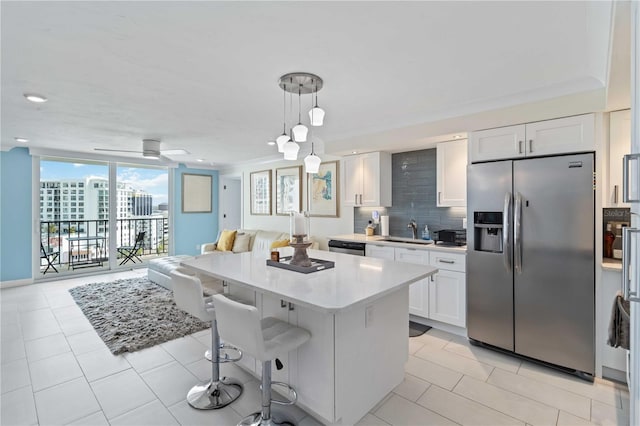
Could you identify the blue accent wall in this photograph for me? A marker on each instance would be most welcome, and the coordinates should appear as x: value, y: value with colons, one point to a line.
x: 192, y: 229
x: 15, y: 215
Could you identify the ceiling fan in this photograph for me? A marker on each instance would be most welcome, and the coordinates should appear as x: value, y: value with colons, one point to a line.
x: 150, y: 149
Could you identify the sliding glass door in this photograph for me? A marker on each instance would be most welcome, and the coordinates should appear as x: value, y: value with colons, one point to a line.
x: 84, y: 226
x: 74, y: 215
x: 142, y: 216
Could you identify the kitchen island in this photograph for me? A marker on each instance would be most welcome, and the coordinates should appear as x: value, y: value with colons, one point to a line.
x: 357, y: 313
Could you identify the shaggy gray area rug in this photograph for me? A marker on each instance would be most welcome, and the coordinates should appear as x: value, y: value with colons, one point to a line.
x: 134, y: 314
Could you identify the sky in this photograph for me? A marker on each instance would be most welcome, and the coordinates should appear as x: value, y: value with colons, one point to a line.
x: 153, y: 181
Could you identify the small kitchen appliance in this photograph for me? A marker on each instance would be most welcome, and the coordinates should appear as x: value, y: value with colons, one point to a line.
x: 454, y: 237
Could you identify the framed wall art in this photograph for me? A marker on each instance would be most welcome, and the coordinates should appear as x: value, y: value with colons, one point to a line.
x: 323, y: 191
x: 260, y: 190
x: 196, y: 193
x: 288, y: 190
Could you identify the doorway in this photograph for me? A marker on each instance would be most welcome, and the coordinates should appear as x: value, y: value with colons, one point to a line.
x: 230, y: 202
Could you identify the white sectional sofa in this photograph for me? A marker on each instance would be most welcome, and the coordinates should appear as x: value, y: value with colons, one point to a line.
x: 257, y: 241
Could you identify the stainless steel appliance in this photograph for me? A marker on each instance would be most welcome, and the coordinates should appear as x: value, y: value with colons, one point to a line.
x: 348, y: 247
x: 530, y: 258
x: 617, y: 228
x: 456, y: 237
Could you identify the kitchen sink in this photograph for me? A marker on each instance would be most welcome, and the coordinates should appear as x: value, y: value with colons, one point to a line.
x: 406, y: 240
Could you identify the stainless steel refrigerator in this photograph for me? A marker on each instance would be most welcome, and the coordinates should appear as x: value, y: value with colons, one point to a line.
x: 530, y: 258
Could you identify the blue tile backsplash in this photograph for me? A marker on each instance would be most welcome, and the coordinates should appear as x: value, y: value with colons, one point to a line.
x: 413, y: 196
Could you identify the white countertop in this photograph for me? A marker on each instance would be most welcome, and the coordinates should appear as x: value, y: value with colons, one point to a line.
x: 355, y: 280
x: 379, y: 240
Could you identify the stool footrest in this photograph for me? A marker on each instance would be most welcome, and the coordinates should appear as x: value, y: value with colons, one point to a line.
x: 224, y: 356
x: 291, y: 392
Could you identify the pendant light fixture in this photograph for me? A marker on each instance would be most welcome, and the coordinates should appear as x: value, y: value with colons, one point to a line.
x: 291, y: 150
x: 316, y: 115
x: 300, y: 83
x: 300, y: 130
x: 283, y: 138
x: 312, y: 162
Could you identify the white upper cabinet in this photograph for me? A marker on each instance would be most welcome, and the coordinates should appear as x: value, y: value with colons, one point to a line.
x: 559, y: 136
x: 570, y: 134
x: 366, y: 179
x: 452, y: 173
x: 496, y: 144
x: 619, y: 146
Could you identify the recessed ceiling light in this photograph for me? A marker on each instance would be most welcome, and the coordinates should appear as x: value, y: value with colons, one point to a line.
x: 200, y: 160
x: 23, y: 140
x: 271, y: 142
x: 35, y: 98
x: 457, y: 136
x: 354, y: 152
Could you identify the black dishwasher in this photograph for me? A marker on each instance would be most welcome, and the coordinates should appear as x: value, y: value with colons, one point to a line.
x: 348, y: 247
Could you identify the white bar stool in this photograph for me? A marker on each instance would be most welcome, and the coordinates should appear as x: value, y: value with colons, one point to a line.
x: 218, y: 392
x: 264, y: 340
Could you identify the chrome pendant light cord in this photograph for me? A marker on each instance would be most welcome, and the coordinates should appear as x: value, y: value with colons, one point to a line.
x: 299, y: 107
x: 284, y: 110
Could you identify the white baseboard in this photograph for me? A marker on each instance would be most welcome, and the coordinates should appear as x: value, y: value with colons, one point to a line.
x: 16, y: 283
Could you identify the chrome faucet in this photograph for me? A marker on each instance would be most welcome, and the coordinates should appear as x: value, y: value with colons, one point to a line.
x: 414, y: 228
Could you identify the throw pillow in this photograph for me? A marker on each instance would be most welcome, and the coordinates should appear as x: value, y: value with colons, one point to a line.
x: 241, y: 243
x: 280, y: 243
x: 225, y: 243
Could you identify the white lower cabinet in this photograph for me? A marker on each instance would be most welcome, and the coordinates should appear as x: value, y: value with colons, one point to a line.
x: 443, y: 296
x: 447, y: 297
x: 447, y: 288
x: 379, y: 251
x: 418, y: 291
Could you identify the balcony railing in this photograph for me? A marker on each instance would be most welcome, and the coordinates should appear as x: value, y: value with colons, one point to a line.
x: 81, y: 243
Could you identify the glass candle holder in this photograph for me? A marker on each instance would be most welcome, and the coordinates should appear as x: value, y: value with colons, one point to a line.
x: 299, y: 227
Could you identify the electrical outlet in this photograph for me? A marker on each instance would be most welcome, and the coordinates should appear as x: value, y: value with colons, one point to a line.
x: 464, y: 223
x: 198, y: 246
x: 368, y: 316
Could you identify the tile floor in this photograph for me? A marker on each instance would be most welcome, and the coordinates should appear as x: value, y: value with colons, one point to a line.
x: 56, y: 370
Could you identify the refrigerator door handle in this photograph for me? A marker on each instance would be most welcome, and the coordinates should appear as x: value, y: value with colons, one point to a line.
x: 626, y: 190
x: 517, y: 234
x: 506, y: 227
x: 628, y: 293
